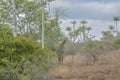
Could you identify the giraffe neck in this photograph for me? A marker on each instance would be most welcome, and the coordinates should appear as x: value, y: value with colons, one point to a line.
x: 61, y: 46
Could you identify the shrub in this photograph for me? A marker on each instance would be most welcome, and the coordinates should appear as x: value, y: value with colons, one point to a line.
x: 116, y: 44
x: 92, y: 49
x: 23, y: 56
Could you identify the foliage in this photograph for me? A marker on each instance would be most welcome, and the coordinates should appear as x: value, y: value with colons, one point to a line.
x: 28, y: 16
x: 22, y: 58
x: 117, y: 43
x: 92, y: 49
x: 108, y: 38
x: 79, y: 33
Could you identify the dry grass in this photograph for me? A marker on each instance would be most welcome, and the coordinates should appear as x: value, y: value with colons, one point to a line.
x: 107, y: 68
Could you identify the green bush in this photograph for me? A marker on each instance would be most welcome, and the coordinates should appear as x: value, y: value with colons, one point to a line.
x: 92, y: 49
x: 22, y: 57
x: 116, y: 44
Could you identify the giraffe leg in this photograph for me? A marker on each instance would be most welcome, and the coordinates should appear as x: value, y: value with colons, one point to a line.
x: 58, y: 60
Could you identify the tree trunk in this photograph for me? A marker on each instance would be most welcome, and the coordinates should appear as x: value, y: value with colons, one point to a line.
x: 14, y: 18
x: 43, y: 28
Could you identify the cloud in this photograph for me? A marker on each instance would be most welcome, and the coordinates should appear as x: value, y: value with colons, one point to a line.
x: 98, y: 13
x: 90, y: 9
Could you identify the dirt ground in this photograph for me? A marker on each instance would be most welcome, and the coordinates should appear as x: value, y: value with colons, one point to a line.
x: 106, y: 68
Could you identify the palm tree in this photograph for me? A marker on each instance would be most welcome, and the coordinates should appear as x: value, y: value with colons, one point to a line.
x: 80, y: 30
x: 83, y: 22
x: 116, y: 19
x: 73, y: 23
x: 76, y: 34
x: 69, y: 30
x: 88, y: 31
x: 111, y: 28
x: 104, y: 33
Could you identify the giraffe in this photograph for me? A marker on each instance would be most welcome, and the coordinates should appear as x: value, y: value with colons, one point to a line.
x: 60, y: 51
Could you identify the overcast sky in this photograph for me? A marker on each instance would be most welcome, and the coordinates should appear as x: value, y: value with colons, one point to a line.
x: 98, y: 13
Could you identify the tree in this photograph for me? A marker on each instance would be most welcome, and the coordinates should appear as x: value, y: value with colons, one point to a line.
x: 88, y: 32
x: 14, y: 18
x: 22, y: 58
x: 29, y: 21
x: 68, y: 29
x: 92, y: 49
x: 116, y: 20
x: 108, y: 38
x: 83, y: 22
x: 73, y: 23
x: 109, y: 34
x: 116, y: 44
x: 60, y: 13
x: 53, y: 30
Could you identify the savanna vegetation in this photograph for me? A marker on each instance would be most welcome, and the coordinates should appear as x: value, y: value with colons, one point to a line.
x: 33, y: 46
x: 23, y: 55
